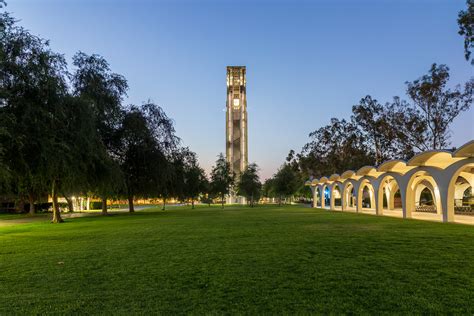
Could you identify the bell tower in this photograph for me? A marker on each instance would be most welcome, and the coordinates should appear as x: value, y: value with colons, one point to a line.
x: 236, y: 120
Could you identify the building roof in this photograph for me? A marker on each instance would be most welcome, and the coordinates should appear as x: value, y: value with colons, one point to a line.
x: 395, y: 165
x: 433, y: 158
x: 368, y: 171
x: 347, y: 174
x: 466, y: 150
x: 323, y: 180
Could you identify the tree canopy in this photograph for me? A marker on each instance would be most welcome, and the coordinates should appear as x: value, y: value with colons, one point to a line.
x: 66, y: 134
x: 466, y: 29
x: 222, y: 178
x: 249, y: 185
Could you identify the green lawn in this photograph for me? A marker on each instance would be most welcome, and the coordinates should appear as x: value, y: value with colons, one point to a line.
x: 237, y: 260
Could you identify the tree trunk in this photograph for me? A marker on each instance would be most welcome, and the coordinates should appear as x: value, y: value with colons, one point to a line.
x: 104, y: 206
x: 56, y: 214
x: 31, y: 199
x: 130, y: 204
x: 164, y: 204
x: 279, y: 201
x: 192, y: 204
x: 70, y: 205
x: 222, y: 201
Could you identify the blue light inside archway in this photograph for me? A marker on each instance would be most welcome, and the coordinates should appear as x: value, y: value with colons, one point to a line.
x: 326, y: 192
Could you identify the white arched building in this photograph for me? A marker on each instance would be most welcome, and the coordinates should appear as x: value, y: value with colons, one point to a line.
x: 432, y: 185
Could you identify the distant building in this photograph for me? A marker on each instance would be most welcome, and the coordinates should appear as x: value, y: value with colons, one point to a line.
x: 236, y: 123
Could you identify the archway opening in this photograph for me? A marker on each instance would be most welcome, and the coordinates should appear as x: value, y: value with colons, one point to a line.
x: 463, y: 193
x: 426, y: 201
x: 390, y: 195
x: 327, y: 197
x: 423, y: 197
x: 318, y: 196
x: 349, y: 197
x: 366, y: 197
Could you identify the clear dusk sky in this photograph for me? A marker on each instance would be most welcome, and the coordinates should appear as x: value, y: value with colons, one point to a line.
x: 307, y: 61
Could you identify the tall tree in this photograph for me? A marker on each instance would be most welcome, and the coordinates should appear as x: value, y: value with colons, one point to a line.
x: 143, y: 145
x: 48, y: 125
x: 332, y: 148
x: 249, y: 184
x: 434, y: 108
x: 466, y: 29
x: 94, y: 82
x: 138, y: 155
x: 286, y: 182
x: 195, y: 181
x: 222, y: 178
x: 371, y: 118
x: 268, y: 188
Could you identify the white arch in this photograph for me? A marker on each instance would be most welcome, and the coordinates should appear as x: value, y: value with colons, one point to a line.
x: 467, y: 172
x: 317, y: 196
x: 418, y: 180
x: 349, y: 195
x: 334, y: 195
x: 323, y: 196
x: 437, y: 170
x: 366, y: 182
x: 387, y: 187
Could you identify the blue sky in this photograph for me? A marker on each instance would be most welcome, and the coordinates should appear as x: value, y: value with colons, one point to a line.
x: 307, y: 61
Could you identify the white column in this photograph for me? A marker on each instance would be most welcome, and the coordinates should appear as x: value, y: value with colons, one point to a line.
x: 322, y: 197
x: 331, y: 197
x: 314, y: 191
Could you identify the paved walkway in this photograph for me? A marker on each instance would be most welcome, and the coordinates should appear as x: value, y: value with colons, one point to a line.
x: 25, y: 219
x: 462, y: 219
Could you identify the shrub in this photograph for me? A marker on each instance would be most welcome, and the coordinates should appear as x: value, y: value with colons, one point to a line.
x: 95, y: 205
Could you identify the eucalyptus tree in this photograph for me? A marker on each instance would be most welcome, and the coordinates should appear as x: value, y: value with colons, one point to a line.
x: 466, y: 29
x: 370, y: 117
x: 424, y: 124
x: 334, y: 147
x: 222, y: 178
x: 249, y: 184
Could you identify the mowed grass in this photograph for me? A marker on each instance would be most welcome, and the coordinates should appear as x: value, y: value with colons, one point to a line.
x: 264, y: 260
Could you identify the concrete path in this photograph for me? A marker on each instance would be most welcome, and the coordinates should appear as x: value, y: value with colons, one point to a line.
x: 25, y: 219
